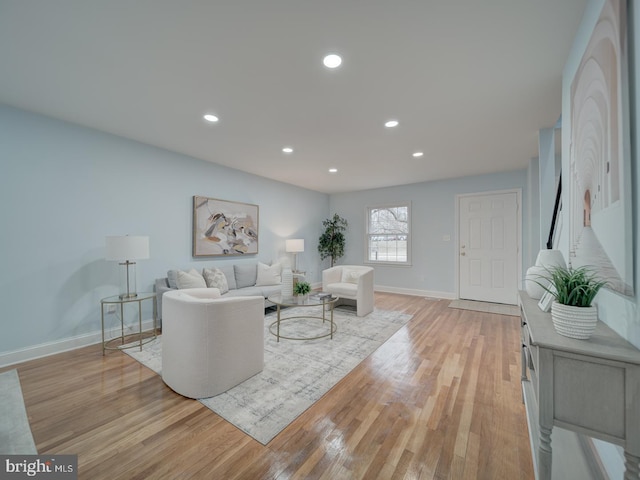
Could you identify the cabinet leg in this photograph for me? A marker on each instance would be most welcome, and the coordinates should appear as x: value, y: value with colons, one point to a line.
x: 632, y: 465
x: 544, y: 454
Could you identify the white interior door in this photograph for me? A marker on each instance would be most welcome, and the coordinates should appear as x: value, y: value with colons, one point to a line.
x: 489, y: 247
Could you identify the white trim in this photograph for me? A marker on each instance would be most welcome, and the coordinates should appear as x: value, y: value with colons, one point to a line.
x: 367, y: 213
x: 518, y: 192
x: 58, y: 346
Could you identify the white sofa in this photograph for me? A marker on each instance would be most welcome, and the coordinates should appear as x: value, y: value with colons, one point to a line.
x: 352, y: 283
x: 210, y: 344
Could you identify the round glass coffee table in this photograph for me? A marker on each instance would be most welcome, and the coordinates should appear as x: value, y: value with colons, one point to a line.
x: 326, y: 303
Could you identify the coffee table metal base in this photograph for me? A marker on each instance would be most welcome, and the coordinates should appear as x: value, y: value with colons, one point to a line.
x: 276, y: 325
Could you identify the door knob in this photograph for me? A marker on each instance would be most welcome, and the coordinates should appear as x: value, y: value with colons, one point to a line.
x: 463, y: 254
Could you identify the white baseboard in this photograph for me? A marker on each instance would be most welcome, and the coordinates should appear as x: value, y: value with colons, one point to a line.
x: 59, y: 346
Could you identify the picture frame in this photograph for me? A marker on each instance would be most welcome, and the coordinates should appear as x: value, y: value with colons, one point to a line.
x: 545, y: 301
x: 599, y: 175
x: 224, y: 228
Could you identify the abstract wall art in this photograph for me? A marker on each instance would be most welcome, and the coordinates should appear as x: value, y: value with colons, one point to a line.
x: 222, y: 227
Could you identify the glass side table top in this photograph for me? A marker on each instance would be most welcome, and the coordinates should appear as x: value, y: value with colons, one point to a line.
x: 116, y: 298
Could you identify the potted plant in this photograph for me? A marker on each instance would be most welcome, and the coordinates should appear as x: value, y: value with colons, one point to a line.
x: 301, y: 288
x: 331, y: 242
x: 573, y: 290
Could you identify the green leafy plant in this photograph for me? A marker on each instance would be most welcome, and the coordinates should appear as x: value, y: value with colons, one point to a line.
x: 576, y: 287
x: 331, y: 242
x: 302, y: 288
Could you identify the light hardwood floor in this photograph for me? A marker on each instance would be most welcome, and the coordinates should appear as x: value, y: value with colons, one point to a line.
x: 440, y: 400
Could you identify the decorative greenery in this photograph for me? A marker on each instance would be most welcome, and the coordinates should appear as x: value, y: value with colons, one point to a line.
x: 331, y: 243
x: 576, y: 287
x: 302, y: 288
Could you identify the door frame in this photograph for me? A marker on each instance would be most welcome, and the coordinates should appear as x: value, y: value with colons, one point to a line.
x: 518, y: 192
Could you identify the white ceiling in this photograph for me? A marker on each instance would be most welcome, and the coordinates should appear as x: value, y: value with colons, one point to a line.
x: 471, y: 82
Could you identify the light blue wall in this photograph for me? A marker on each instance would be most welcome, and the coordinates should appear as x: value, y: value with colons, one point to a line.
x: 433, y: 215
x: 546, y: 178
x: 63, y: 188
x: 533, y: 218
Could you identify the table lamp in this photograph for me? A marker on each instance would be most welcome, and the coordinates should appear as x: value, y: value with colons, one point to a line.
x: 125, y: 249
x: 295, y: 246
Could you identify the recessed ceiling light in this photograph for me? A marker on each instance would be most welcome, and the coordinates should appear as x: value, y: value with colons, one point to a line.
x: 332, y: 60
x: 333, y: 170
x: 391, y: 123
x: 210, y: 117
x: 287, y: 150
x: 418, y: 154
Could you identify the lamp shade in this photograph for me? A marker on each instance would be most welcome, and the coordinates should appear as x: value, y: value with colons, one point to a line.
x: 550, y: 259
x: 127, y: 247
x: 294, y: 245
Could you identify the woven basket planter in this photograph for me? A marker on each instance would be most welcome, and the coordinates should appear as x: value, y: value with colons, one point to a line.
x: 574, y: 322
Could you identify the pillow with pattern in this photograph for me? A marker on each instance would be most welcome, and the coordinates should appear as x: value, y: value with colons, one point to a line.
x: 215, y: 278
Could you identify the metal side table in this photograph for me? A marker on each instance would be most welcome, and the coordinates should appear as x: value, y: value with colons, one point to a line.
x: 142, y: 337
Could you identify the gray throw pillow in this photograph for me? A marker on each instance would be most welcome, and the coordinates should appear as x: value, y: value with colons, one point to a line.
x: 172, y: 278
x: 246, y: 274
x: 230, y: 274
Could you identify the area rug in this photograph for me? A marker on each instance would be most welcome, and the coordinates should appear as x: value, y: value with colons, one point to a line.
x: 296, y: 372
x: 15, y: 433
x: 486, y: 307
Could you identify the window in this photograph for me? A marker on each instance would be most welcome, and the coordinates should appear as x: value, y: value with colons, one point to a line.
x: 389, y: 234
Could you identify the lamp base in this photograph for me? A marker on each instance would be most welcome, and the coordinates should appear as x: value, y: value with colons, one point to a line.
x: 128, y: 281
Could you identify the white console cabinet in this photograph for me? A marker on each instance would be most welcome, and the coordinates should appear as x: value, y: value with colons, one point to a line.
x: 591, y: 387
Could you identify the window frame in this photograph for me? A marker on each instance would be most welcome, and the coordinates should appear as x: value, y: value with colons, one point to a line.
x: 367, y: 235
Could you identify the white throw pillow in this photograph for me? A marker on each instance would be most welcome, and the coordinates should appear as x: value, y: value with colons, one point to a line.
x: 350, y: 275
x: 215, y: 278
x: 190, y: 279
x: 269, y: 275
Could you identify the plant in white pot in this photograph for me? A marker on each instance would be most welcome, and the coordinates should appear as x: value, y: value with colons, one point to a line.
x: 574, y: 289
x: 301, y: 290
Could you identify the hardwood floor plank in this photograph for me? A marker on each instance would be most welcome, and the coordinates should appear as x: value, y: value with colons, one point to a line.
x: 441, y: 399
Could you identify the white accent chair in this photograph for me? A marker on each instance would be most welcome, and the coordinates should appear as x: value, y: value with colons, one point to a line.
x: 353, y: 283
x: 210, y: 344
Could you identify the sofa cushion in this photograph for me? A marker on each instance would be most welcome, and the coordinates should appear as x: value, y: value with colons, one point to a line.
x: 245, y: 292
x: 191, y: 279
x: 350, y: 275
x: 268, y: 275
x: 215, y: 278
x: 271, y: 290
x: 246, y: 274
